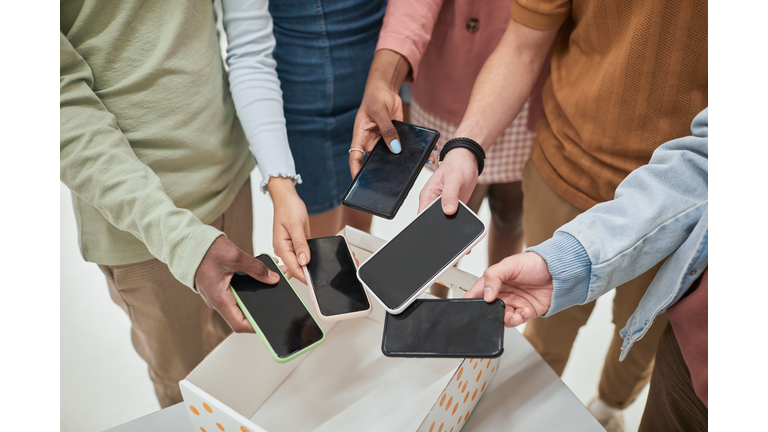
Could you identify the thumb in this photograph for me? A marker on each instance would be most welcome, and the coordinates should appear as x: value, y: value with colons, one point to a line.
x: 388, y: 131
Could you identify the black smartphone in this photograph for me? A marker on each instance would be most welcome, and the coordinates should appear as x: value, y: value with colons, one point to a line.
x: 277, y: 313
x: 385, y: 179
x: 332, y: 279
x: 409, y: 263
x: 446, y: 328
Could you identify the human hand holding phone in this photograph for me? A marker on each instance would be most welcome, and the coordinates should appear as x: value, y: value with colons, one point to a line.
x: 214, y: 273
x: 454, y: 179
x: 290, y: 227
x: 381, y: 104
x: 522, y: 281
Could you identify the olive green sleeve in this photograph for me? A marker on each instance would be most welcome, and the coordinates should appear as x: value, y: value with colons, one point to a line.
x: 99, y: 165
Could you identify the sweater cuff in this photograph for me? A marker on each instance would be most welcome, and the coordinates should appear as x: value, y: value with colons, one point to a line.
x: 570, y: 268
x: 192, y: 254
x: 537, y: 20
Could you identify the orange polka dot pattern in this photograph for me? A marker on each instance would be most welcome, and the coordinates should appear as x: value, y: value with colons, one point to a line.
x: 209, y: 420
x: 460, y: 396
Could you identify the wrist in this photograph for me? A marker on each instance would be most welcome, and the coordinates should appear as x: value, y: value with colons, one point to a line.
x: 461, y: 156
x: 280, y: 187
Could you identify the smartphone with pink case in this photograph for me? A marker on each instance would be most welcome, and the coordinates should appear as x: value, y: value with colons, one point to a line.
x: 331, y: 276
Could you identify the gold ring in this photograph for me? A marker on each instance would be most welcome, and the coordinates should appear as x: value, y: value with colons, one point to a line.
x: 357, y: 149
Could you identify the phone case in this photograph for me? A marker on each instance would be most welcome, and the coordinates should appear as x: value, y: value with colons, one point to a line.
x: 261, y: 335
x: 380, y: 146
x: 436, y: 355
x: 437, y: 276
x: 339, y: 317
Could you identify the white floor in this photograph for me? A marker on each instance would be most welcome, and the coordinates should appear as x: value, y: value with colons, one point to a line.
x: 105, y: 383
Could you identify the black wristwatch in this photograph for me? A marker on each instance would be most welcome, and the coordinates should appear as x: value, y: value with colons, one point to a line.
x: 468, y: 144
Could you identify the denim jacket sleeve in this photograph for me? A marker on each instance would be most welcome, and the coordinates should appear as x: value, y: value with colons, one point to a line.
x: 255, y: 86
x: 654, y: 211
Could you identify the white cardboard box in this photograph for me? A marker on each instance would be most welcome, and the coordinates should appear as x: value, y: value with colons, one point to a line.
x: 345, y: 383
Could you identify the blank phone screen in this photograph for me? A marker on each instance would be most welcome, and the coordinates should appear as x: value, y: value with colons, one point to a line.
x: 446, y: 328
x: 278, y: 311
x: 334, y: 277
x: 386, y: 176
x: 419, y: 253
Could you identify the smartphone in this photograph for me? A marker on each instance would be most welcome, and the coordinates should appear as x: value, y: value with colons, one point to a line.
x: 409, y: 263
x: 277, y: 313
x: 446, y: 328
x: 385, y: 179
x: 331, y: 275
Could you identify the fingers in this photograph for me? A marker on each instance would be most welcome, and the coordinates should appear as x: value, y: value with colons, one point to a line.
x: 477, y: 290
x: 355, y: 161
x: 387, y: 130
x: 431, y: 160
x: 300, y: 255
x: 430, y: 191
x: 450, y: 199
x: 257, y: 270
x: 228, y: 309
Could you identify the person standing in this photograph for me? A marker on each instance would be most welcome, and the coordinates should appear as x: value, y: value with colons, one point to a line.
x: 660, y: 214
x: 625, y: 76
x: 159, y: 169
x: 323, y: 51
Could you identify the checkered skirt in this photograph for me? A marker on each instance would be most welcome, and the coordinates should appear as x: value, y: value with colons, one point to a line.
x: 504, y: 161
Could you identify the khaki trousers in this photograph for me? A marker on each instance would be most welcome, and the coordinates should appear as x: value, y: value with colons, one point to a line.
x: 171, y: 326
x: 544, y: 211
x: 672, y: 402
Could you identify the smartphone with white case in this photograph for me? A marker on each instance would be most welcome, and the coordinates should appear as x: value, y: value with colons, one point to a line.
x: 415, y: 258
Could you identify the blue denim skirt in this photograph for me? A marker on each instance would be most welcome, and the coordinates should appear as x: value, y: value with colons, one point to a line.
x: 323, y: 53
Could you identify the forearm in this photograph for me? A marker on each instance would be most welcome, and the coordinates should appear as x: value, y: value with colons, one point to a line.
x: 255, y: 87
x: 388, y: 69
x: 407, y: 30
x: 655, y: 210
x: 505, y: 82
x: 99, y: 165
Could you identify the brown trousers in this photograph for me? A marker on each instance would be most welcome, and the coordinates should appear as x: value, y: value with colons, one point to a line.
x: 171, y: 326
x: 672, y: 402
x: 544, y: 212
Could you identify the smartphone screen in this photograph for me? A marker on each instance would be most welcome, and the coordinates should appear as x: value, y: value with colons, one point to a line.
x: 278, y: 311
x: 402, y: 267
x: 385, y: 179
x: 446, y: 328
x: 333, y: 274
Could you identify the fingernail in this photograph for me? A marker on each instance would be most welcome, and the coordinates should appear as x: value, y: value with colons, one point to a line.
x: 273, y: 276
x: 303, y: 258
x: 396, y: 146
x: 429, y: 162
x: 487, y: 292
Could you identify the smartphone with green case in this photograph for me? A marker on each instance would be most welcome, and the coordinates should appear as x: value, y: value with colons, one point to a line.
x: 277, y: 314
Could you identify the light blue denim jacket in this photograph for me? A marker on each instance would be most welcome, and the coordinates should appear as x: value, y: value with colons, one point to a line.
x: 659, y: 211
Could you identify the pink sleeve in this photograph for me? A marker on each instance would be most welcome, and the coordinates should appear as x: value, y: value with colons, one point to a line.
x: 407, y: 29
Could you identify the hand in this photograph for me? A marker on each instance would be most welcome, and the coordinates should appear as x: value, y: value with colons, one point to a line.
x: 213, y: 274
x: 381, y: 103
x: 290, y: 226
x: 455, y: 180
x: 522, y: 282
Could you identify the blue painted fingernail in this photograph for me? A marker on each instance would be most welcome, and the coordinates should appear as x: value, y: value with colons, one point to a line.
x: 429, y: 162
x: 396, y: 146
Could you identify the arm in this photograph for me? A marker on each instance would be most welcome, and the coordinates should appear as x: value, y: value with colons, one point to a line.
x: 403, y: 39
x: 99, y: 165
x: 499, y: 93
x: 655, y: 210
x: 259, y: 103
